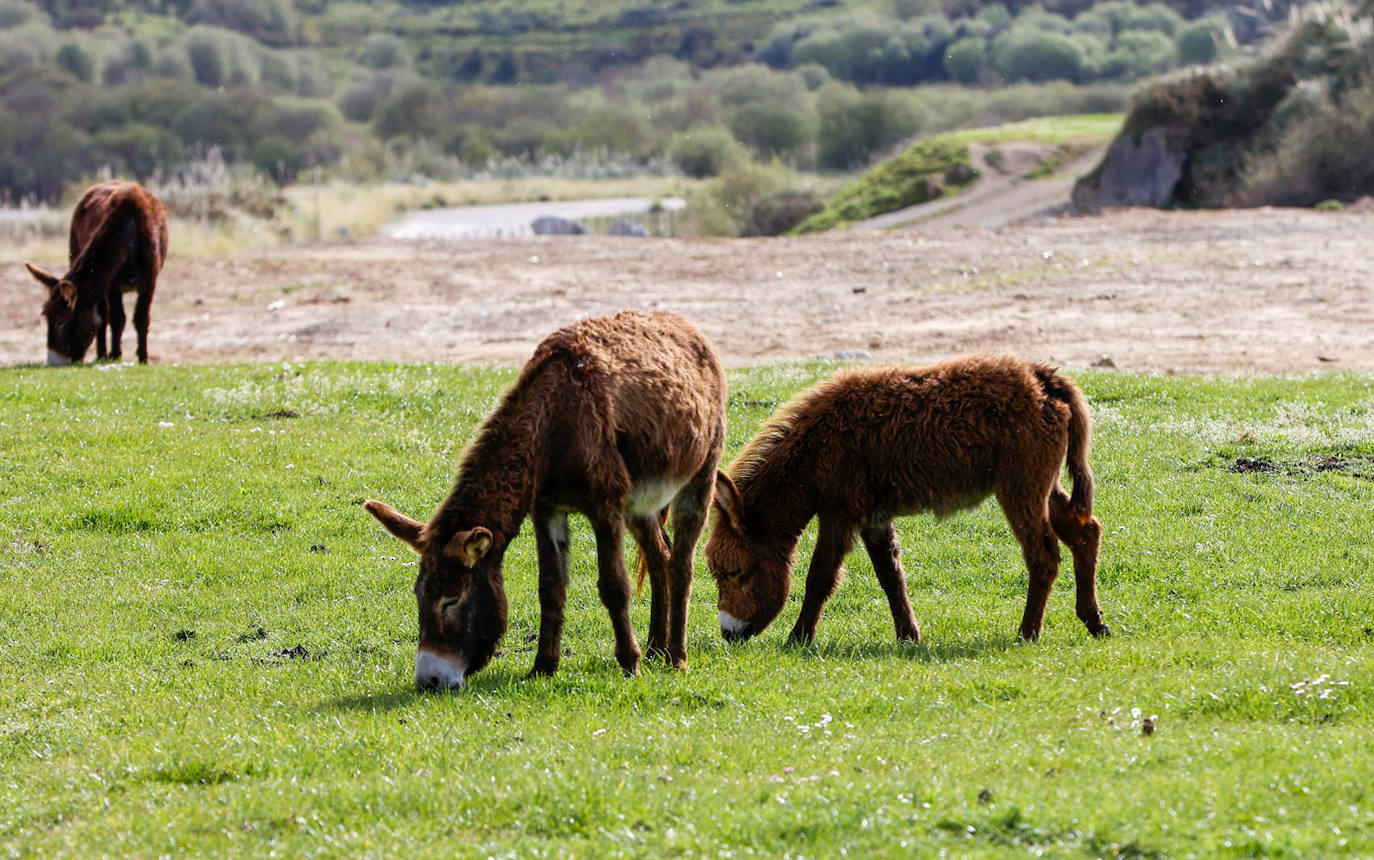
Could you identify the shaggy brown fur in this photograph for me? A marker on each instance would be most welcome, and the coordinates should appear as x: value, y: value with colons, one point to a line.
x: 118, y: 245
x: 874, y: 444
x: 616, y: 418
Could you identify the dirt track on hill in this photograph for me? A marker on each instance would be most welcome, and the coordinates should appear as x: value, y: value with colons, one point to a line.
x: 1258, y: 290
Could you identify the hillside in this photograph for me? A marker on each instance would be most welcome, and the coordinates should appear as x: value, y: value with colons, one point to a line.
x: 167, y: 91
x: 1290, y: 127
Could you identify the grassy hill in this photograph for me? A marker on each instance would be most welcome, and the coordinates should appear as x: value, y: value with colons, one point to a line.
x: 370, y: 91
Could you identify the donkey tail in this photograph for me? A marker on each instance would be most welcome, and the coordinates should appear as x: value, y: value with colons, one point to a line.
x: 1080, y: 436
x: 643, y: 561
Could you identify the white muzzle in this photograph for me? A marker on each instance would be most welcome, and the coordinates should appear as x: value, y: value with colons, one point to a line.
x: 57, y: 359
x: 431, y: 670
x: 730, y: 625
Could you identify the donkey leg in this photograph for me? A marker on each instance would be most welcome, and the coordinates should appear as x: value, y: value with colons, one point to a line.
x: 613, y: 584
x: 886, y: 552
x: 648, y: 535
x: 1030, y: 523
x: 141, y: 318
x: 551, y: 544
x: 101, y: 321
x: 116, y: 316
x: 1083, y: 536
x: 689, y: 519
x: 832, y: 543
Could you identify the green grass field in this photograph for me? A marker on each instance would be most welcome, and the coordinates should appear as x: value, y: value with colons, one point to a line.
x: 207, y: 646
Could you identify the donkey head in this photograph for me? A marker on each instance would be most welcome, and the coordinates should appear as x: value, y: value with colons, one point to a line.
x: 752, y: 577
x: 72, y: 323
x: 462, y: 603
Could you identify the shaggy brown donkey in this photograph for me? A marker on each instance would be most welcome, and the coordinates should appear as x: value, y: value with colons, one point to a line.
x: 874, y: 444
x: 615, y: 418
x: 118, y: 244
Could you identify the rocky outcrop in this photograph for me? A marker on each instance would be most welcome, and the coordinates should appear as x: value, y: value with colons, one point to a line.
x: 549, y: 225
x: 1138, y: 170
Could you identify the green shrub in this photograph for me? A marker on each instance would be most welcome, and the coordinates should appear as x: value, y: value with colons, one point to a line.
x: 964, y: 59
x: 771, y: 128
x: 923, y: 171
x: 207, y: 61
x: 1199, y: 42
x: 276, y: 157
x: 725, y: 205
x: 855, y: 126
x: 1025, y: 54
x: 705, y: 151
x: 1138, y: 53
x: 272, y: 22
x: 138, y: 149
x: 413, y: 109
x: 76, y: 60
x: 384, y: 51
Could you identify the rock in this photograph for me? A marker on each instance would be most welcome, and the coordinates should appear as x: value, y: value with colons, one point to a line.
x: 628, y: 228
x: 550, y: 225
x: 1104, y: 362
x: 1136, y: 171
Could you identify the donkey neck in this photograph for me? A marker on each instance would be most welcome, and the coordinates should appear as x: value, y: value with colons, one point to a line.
x: 778, y: 494
x: 95, y: 265
x: 501, y: 471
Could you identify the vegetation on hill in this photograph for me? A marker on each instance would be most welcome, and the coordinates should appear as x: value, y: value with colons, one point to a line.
x: 372, y: 90
x: 1292, y: 126
x: 940, y: 166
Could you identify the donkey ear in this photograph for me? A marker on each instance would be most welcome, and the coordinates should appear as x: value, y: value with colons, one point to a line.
x: 728, y: 500
x: 469, y: 546
x: 42, y: 276
x: 398, y: 524
x: 68, y: 292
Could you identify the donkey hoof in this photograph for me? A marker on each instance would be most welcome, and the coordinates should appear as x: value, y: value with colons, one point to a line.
x: 1102, y: 632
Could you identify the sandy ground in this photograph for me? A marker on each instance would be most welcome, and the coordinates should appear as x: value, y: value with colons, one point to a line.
x: 1259, y: 290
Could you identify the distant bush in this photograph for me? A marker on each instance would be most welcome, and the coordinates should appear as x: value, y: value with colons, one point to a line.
x: 384, y: 51
x: 923, y: 171
x: 272, y: 22
x: 964, y: 59
x: 15, y: 12
x: 1027, y: 54
x: 1139, y: 53
x: 734, y: 201
x: 776, y: 213
x: 138, y: 150
x: 359, y: 100
x: 414, y: 109
x: 771, y: 128
x: 76, y: 60
x: 1199, y: 42
x: 704, y: 152
x: 855, y: 126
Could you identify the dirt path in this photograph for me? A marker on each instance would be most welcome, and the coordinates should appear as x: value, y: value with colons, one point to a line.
x: 1002, y: 196
x: 1262, y: 290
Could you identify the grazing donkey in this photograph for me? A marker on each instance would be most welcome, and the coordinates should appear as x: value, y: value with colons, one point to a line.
x: 878, y: 443
x: 617, y: 418
x: 118, y: 244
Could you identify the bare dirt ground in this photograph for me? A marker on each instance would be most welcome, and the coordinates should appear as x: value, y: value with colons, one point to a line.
x: 1258, y: 290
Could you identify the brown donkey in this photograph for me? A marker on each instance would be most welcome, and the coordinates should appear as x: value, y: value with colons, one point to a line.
x: 118, y: 244
x: 617, y: 418
x: 873, y: 444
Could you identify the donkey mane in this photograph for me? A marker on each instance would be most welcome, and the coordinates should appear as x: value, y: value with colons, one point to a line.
x: 496, y: 473
x: 495, y: 476
x: 93, y: 256
x: 785, y: 427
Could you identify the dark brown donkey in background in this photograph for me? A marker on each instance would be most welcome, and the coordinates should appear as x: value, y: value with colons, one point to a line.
x: 118, y: 245
x: 616, y: 418
x: 874, y: 444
